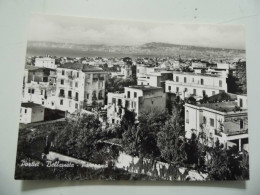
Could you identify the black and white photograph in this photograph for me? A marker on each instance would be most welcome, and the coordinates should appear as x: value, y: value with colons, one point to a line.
x: 109, y: 99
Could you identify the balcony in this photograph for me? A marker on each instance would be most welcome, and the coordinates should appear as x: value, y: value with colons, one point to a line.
x: 69, y: 97
x: 62, y: 95
x: 76, y: 98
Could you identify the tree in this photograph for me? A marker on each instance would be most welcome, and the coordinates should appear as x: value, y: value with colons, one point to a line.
x: 141, y: 139
x: 170, y: 141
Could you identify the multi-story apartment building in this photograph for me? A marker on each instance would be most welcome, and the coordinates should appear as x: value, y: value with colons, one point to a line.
x: 155, y: 79
x: 39, y: 86
x: 185, y: 84
x: 79, y: 85
x: 45, y: 62
x: 226, y: 122
x: 135, y: 98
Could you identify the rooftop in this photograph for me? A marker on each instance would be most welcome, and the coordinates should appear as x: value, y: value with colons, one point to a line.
x: 83, y: 67
x: 220, y: 106
x: 144, y: 87
x: 30, y: 105
x: 196, y: 74
x: 34, y: 68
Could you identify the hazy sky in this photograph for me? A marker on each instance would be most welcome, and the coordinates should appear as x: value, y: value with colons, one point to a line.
x: 68, y: 29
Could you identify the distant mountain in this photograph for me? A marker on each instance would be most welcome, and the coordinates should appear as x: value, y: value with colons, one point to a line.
x: 148, y: 49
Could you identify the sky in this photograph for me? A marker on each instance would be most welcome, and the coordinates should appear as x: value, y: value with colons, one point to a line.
x: 82, y: 30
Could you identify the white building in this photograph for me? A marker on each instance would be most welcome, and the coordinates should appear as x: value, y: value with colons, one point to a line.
x: 185, y: 84
x: 78, y: 86
x: 142, y: 70
x: 40, y: 86
x: 155, y: 79
x: 45, y: 62
x: 136, y: 99
x: 30, y: 112
x: 223, y: 121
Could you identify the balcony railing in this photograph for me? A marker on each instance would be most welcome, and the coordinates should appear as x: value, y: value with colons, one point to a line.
x: 62, y: 95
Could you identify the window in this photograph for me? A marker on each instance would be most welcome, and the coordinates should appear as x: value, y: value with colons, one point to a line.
x: 203, y: 93
x: 69, y: 94
x: 77, y: 74
x: 63, y: 72
x: 61, y: 102
x: 134, y: 104
x: 76, y: 106
x: 41, y: 92
x: 185, y: 80
x: 62, y: 93
x: 241, y: 102
x: 25, y: 110
x: 213, y: 92
x: 177, y: 89
x: 113, y: 100
x: 185, y: 90
x: 119, y: 102
x: 128, y: 94
x: 194, y: 92
x: 177, y: 79
x: 77, y: 96
x: 42, y: 102
x: 241, y: 124
x: 201, y: 81
x: 113, y: 120
x: 62, y: 82
x: 32, y: 91
x: 152, y: 101
x: 126, y: 103
x: 212, y: 122
x: 100, y: 95
x: 87, y: 95
x: 204, y: 120
x: 193, y: 80
x: 169, y: 88
x: 220, y: 83
x: 29, y: 90
x: 135, y: 94
x: 76, y: 84
x: 187, y: 116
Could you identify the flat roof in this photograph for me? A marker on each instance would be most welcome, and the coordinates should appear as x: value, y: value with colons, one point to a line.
x: 196, y: 74
x: 30, y: 105
x: 144, y: 87
x: 220, y: 106
x: 82, y: 67
x: 30, y: 67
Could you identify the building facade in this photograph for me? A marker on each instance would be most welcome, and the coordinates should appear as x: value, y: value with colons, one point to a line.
x: 30, y: 112
x: 185, y: 84
x: 224, y: 121
x: 40, y: 86
x: 137, y: 99
x: 45, y: 62
x: 78, y: 86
